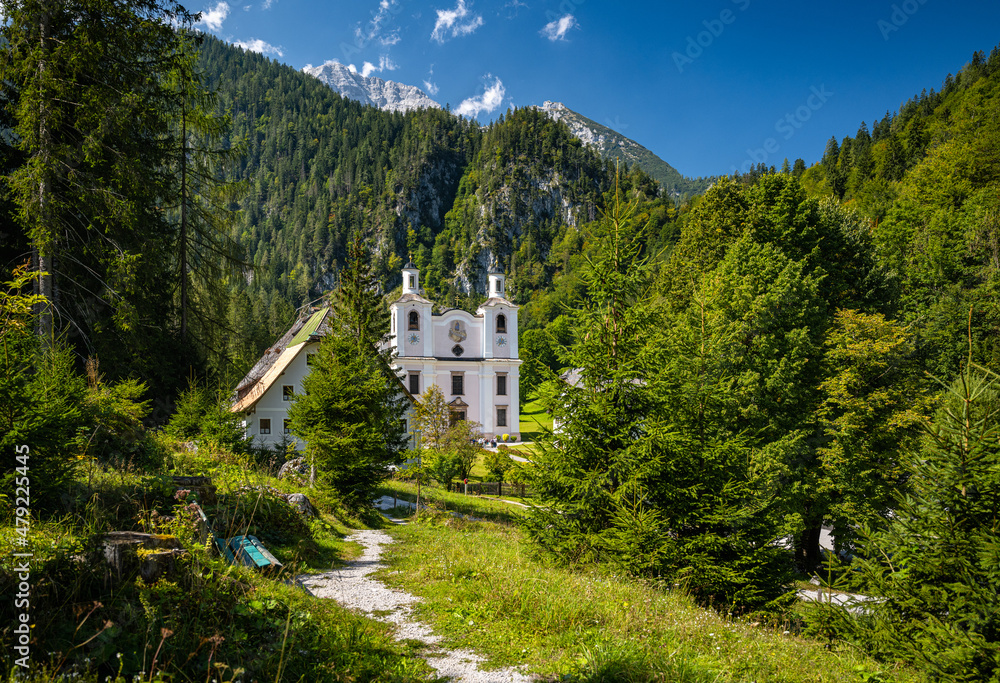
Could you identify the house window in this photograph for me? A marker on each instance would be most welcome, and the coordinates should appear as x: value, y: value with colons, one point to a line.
x: 501, y: 385
x: 414, y: 321
x: 501, y: 417
x: 457, y: 384
x: 456, y: 416
x: 265, y: 425
x: 288, y: 426
x: 287, y: 392
x: 501, y: 324
x: 415, y: 383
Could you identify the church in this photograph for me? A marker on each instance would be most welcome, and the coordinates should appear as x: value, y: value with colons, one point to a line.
x: 473, y: 358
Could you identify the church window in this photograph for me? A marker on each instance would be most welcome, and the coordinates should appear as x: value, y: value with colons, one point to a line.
x: 501, y: 385
x: 414, y: 319
x: 501, y: 417
x: 415, y: 383
x: 457, y: 383
x: 501, y: 324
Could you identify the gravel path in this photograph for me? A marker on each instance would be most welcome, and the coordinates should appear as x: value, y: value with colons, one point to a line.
x: 352, y: 587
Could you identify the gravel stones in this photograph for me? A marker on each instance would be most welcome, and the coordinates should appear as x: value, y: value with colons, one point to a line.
x: 353, y: 587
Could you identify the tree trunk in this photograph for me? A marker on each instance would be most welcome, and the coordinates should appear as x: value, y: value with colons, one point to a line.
x: 45, y: 236
x: 183, y: 238
x: 807, y: 553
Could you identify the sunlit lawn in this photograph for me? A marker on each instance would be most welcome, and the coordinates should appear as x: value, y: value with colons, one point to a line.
x: 533, y: 420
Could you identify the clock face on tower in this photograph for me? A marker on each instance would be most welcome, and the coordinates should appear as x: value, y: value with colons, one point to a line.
x: 501, y: 341
x: 413, y: 338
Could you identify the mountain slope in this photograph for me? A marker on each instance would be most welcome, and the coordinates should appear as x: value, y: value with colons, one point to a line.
x: 386, y: 95
x: 612, y: 144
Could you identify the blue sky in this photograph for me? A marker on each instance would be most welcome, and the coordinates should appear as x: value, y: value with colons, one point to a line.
x: 708, y: 86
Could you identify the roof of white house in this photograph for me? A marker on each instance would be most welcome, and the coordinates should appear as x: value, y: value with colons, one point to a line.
x: 275, y: 361
x: 277, y: 358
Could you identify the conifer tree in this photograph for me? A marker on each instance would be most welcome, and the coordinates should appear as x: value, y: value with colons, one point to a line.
x: 206, y: 254
x: 350, y: 413
x: 935, y: 570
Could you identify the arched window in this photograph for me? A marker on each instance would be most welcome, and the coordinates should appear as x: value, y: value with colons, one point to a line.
x: 414, y: 319
x: 501, y: 324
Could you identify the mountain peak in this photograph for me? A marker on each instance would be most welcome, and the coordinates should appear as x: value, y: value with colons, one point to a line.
x: 386, y: 95
x: 610, y: 143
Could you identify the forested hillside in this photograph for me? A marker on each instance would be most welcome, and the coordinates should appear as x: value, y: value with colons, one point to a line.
x: 458, y: 198
x: 928, y: 178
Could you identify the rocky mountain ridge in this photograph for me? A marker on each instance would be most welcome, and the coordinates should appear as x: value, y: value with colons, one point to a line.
x: 612, y: 144
x: 378, y: 92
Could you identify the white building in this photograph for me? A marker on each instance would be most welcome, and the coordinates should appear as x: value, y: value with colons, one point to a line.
x: 265, y: 394
x: 473, y: 358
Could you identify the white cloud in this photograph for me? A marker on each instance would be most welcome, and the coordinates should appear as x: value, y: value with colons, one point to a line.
x: 386, y: 8
x: 429, y: 85
x: 557, y: 30
x: 459, y: 22
x: 514, y: 6
x: 246, y: 8
x: 213, y: 18
x: 267, y: 4
x: 258, y: 45
x: 367, y: 69
x: 488, y: 102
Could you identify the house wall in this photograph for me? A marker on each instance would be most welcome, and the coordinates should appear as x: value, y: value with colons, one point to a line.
x: 271, y: 405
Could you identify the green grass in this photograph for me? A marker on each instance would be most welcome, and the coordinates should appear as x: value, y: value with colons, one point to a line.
x: 534, y: 420
x: 474, y: 506
x: 208, y: 619
x: 484, y: 588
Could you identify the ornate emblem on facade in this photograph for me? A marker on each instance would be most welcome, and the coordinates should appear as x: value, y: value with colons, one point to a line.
x: 457, y: 350
x: 456, y: 332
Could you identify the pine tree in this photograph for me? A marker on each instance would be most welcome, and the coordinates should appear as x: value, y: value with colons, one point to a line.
x: 936, y: 568
x: 87, y: 84
x: 206, y: 253
x: 350, y: 412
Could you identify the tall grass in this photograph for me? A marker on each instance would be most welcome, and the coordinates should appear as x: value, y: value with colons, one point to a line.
x: 484, y: 588
x: 207, y: 620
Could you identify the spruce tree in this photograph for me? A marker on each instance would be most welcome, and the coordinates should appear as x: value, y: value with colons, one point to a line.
x: 646, y: 469
x: 350, y: 412
x: 935, y: 570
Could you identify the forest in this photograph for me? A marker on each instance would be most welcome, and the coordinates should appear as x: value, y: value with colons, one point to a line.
x: 795, y: 348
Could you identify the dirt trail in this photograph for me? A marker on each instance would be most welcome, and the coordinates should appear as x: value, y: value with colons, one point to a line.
x: 352, y: 587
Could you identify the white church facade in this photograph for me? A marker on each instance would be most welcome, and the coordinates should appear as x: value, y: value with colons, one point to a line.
x: 473, y: 358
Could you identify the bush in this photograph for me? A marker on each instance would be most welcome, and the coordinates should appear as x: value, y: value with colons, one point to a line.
x: 205, y: 418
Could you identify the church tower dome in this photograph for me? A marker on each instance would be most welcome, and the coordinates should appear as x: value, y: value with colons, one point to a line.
x: 411, y: 279
x: 497, y: 285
